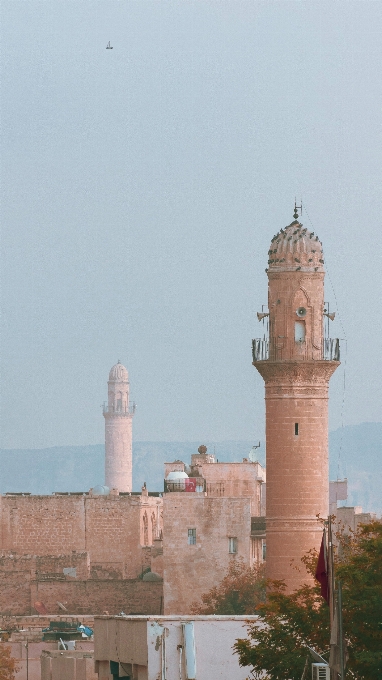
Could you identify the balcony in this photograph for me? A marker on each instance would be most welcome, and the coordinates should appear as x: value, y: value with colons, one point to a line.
x: 188, y: 485
x: 119, y: 410
x: 258, y: 527
x: 275, y: 350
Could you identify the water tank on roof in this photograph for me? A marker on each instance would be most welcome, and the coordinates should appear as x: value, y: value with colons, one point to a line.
x: 100, y: 490
x: 176, y: 480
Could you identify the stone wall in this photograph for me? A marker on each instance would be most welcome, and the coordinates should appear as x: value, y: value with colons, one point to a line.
x: 19, y: 592
x: 115, y: 531
x: 83, y: 551
x: 191, y: 570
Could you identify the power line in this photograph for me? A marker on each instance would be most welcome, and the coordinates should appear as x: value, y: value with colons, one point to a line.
x: 344, y: 363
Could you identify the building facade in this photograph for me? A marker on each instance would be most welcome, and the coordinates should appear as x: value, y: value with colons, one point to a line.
x: 86, y: 552
x: 211, y: 517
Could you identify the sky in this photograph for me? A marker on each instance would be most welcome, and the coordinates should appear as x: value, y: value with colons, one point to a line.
x: 140, y: 188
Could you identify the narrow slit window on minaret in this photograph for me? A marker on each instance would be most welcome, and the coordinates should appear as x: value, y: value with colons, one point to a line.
x: 296, y: 428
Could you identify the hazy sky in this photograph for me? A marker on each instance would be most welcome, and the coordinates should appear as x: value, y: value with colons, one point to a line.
x: 141, y: 187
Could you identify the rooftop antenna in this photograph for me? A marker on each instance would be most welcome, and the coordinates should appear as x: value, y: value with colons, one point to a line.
x: 108, y: 46
x: 297, y: 208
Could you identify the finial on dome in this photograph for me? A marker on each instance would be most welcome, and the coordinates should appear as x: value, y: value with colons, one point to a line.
x: 296, y: 209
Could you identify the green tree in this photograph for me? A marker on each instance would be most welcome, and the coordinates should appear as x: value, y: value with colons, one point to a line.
x: 240, y: 591
x: 360, y: 570
x: 8, y: 664
x: 290, y: 622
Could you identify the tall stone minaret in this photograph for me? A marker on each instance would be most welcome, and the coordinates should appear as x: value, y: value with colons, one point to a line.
x: 118, y: 431
x: 296, y: 363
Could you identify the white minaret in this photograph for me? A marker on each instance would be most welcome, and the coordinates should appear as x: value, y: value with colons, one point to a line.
x: 118, y: 431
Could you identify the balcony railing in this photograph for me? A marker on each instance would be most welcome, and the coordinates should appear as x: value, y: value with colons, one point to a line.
x: 258, y: 527
x: 275, y: 350
x: 119, y: 410
x: 189, y: 485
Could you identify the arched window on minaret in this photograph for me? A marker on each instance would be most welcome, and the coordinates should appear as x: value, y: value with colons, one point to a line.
x: 119, y: 401
x: 153, y: 526
x: 145, y: 529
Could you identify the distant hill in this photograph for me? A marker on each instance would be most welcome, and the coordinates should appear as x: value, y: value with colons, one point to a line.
x: 355, y: 451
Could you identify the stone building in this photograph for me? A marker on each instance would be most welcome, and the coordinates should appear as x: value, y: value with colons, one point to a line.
x: 87, y: 552
x: 296, y: 361
x: 99, y: 551
x: 210, y: 517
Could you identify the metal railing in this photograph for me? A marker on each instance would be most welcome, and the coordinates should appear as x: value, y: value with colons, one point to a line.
x: 258, y: 526
x: 119, y: 410
x: 189, y: 485
x: 275, y: 350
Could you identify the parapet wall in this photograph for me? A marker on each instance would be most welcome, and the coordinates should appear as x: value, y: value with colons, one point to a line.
x: 115, y: 531
x: 18, y: 593
x: 84, y: 552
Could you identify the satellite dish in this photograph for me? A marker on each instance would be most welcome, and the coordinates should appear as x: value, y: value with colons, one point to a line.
x: 40, y: 608
x: 252, y: 454
x: 301, y: 312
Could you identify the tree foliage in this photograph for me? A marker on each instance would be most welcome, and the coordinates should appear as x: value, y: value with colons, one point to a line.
x: 360, y: 570
x: 293, y: 621
x: 8, y: 664
x: 240, y: 591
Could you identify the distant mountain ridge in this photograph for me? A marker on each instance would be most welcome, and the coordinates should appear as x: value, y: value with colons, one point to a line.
x: 355, y: 453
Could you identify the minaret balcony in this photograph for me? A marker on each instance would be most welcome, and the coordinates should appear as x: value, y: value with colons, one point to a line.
x: 275, y: 350
x: 118, y: 410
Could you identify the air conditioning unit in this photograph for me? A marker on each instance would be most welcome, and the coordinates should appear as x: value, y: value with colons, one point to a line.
x: 320, y: 671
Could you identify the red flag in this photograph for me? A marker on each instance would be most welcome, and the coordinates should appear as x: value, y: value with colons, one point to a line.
x: 190, y: 484
x: 322, y: 571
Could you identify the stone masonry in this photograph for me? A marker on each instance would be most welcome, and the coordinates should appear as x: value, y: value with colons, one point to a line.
x: 296, y: 362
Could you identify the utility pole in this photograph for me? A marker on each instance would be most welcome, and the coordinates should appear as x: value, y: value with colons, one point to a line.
x: 27, y: 651
x: 340, y: 630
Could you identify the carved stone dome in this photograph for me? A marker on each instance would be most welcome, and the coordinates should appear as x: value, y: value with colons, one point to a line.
x: 295, y: 248
x: 118, y: 373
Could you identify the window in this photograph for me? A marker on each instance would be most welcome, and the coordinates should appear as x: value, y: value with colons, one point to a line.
x: 232, y: 545
x: 296, y: 428
x: 264, y: 546
x: 299, y: 331
x: 192, y: 537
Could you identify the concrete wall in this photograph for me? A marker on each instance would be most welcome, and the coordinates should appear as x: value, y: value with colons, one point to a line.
x: 17, y: 631
x: 69, y: 665
x: 147, y: 649
x: 192, y: 570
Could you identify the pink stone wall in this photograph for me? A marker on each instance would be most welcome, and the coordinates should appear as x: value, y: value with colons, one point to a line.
x: 109, y: 528
x: 192, y: 570
x: 101, y: 537
x: 235, y: 480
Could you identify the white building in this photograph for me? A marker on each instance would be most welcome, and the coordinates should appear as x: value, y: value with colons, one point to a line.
x: 169, y: 647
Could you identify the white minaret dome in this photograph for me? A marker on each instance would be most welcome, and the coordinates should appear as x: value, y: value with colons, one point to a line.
x: 118, y: 373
